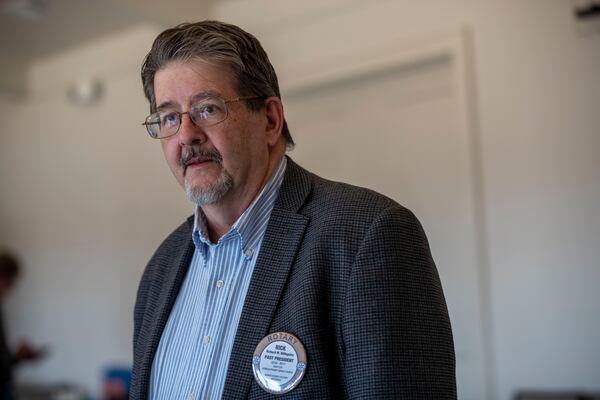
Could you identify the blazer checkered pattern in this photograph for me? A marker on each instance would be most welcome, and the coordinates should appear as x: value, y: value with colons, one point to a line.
x: 347, y: 271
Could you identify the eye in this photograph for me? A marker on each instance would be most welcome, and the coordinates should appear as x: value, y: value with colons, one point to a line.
x: 169, y: 120
x: 207, y: 110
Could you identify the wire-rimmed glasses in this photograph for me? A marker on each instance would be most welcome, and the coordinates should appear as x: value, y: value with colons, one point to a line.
x: 204, y: 113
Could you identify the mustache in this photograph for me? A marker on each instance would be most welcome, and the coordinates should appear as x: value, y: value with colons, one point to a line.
x: 190, y: 152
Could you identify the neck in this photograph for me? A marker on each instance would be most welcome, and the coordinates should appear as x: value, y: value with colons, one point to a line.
x: 220, y: 216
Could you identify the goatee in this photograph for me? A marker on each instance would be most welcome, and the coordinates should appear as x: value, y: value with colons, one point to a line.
x: 202, y: 195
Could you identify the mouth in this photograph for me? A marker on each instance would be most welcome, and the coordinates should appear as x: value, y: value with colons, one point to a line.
x: 199, y: 159
x: 197, y: 162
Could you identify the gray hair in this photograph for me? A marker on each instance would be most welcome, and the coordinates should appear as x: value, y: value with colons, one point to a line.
x: 220, y: 43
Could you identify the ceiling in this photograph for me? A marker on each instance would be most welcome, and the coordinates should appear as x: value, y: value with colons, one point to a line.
x: 31, y: 29
x: 35, y: 29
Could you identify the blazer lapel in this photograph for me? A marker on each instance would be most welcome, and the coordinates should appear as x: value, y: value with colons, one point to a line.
x: 162, y: 298
x: 278, y: 250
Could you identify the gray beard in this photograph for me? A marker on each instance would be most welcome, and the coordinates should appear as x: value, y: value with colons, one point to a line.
x: 211, y: 194
x: 214, y: 192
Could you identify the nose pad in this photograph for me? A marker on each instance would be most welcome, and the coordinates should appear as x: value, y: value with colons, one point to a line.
x: 190, y: 133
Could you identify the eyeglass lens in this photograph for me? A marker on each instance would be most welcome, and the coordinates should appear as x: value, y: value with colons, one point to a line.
x: 204, y: 113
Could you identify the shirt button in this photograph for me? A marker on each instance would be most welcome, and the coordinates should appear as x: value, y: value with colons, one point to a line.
x: 248, y: 253
x: 206, y: 339
x: 190, y: 397
x: 220, y: 283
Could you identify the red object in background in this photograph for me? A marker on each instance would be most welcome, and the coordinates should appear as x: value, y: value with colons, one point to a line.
x: 116, y: 384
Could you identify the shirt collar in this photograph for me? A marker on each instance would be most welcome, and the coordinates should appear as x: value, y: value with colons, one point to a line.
x: 248, y: 226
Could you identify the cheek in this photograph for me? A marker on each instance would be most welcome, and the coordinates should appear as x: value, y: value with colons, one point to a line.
x: 237, y: 151
x: 248, y: 136
x: 172, y: 152
x: 227, y: 141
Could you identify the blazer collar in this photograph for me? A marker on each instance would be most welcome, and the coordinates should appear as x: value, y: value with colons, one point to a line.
x: 295, y: 187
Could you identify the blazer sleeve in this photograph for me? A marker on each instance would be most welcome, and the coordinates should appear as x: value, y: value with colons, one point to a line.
x: 396, y: 331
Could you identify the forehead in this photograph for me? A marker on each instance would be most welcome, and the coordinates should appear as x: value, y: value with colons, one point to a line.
x: 179, y: 81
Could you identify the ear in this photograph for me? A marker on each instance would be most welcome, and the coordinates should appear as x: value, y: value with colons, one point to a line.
x: 274, y: 115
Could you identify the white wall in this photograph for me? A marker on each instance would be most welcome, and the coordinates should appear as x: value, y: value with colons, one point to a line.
x: 538, y: 93
x: 13, y: 78
x: 85, y: 201
x: 86, y: 198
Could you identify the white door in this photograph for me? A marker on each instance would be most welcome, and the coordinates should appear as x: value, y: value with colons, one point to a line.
x: 397, y: 131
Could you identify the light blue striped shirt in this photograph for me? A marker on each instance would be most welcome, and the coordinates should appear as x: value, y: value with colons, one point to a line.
x: 193, y: 354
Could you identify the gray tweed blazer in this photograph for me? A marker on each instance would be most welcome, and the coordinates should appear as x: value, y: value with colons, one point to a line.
x: 346, y: 270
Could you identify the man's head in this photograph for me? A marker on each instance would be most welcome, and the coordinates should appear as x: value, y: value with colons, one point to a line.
x: 9, y: 272
x: 218, y: 43
x: 216, y: 109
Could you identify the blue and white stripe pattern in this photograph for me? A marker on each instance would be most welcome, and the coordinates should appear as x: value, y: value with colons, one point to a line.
x: 193, y: 354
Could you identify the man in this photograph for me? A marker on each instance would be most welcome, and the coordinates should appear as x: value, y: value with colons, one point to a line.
x: 282, y: 284
x: 9, y: 273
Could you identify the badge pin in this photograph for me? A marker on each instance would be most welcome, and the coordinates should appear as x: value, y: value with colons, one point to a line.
x: 279, y: 362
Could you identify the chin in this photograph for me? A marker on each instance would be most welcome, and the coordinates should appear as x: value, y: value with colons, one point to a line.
x: 208, y: 194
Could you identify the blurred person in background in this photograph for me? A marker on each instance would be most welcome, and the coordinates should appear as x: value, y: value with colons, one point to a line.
x: 9, y: 274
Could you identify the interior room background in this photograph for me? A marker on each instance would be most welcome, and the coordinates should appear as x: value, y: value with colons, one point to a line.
x: 483, y: 117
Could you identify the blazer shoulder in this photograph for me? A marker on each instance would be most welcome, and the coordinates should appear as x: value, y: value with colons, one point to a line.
x: 331, y: 199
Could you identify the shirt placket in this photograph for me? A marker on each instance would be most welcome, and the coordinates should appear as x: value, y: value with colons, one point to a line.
x: 223, y: 274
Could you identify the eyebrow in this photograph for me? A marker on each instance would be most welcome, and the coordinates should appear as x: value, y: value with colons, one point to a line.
x: 198, y: 96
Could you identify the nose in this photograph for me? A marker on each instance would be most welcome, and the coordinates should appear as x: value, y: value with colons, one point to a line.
x: 190, y: 133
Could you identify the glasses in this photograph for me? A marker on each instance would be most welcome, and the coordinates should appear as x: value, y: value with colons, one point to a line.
x: 204, y: 113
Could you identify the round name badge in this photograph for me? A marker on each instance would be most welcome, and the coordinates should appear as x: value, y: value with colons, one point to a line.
x: 279, y: 362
